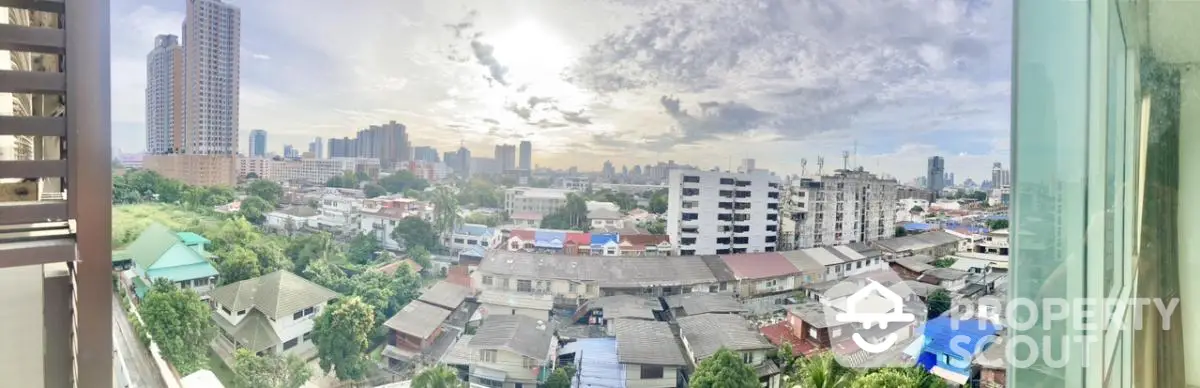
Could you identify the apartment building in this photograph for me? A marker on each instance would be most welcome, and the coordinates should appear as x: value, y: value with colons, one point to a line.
x: 212, y: 41
x: 506, y: 157
x: 715, y: 212
x: 164, y: 96
x: 427, y: 170
x: 315, y: 171
x: 258, y: 143
x: 194, y: 169
x: 534, y: 200
x: 845, y: 207
x: 259, y: 166
x: 57, y: 326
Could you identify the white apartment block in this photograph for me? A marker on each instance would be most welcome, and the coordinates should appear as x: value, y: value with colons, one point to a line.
x: 260, y: 167
x: 212, y: 36
x: 164, y: 96
x: 714, y: 212
x: 534, y: 200
x: 313, y: 171
x: 846, y: 207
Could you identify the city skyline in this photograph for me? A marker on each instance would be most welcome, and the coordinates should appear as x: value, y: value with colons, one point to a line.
x: 908, y: 81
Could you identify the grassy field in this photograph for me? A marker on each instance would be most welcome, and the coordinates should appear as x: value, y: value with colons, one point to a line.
x: 131, y: 220
x: 219, y: 368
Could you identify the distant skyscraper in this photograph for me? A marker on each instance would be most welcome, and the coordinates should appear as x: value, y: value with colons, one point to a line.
x: 258, y: 142
x: 289, y: 151
x: 608, y: 169
x: 747, y: 165
x: 425, y: 154
x: 164, y: 96
x: 1000, y: 176
x: 526, y: 158
x: 316, y: 148
x: 343, y: 148
x: 506, y: 157
x: 936, y: 173
x: 212, y: 36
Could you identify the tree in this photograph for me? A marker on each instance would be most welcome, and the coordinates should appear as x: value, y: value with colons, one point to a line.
x: 944, y: 262
x: 305, y: 249
x: 237, y: 264
x: 480, y: 193
x: 901, y: 232
x: 491, y: 220
x: 572, y: 216
x: 406, y: 285
x: 254, y: 209
x: 658, y: 202
x: 823, y: 371
x: 403, y: 180
x: 997, y: 224
x: 363, y: 248
x: 912, y: 377
x: 561, y: 378
x: 326, y: 274
x: 420, y: 255
x: 267, y: 190
x: 180, y: 323
x: 376, y: 289
x: 445, y: 211
x: 439, y: 376
x: 342, y: 335
x: 938, y: 302
x: 656, y: 227
x: 269, y: 370
x: 253, y: 175
x: 724, y: 369
x: 413, y: 231
x: 372, y: 190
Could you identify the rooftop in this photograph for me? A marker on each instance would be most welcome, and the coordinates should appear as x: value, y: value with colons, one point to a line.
x: 697, y: 303
x: 760, y: 265
x: 647, y: 342
x: 474, y: 230
x: 515, y: 333
x: 707, y: 333
x: 418, y: 319
x: 519, y: 300
x: 607, y: 271
x: 918, y: 241
x: 277, y: 294
x: 598, y: 366
x: 446, y: 295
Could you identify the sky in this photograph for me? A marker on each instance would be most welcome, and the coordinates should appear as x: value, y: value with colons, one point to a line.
x: 703, y: 82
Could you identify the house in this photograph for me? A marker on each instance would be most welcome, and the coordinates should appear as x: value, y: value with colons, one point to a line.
x: 601, y: 217
x: 684, y: 305
x: 595, y: 362
x: 949, y: 278
x: 645, y: 245
x: 979, y: 262
x: 412, y: 331
x: 811, y: 330
x: 526, y: 219
x: 704, y: 334
x: 447, y: 295
x: 293, y: 218
x: 765, y: 280
x: 992, y: 365
x: 512, y: 351
x: 995, y: 242
x: 474, y: 235
x: 577, y: 243
x: 549, y: 241
x: 911, y: 267
x: 936, y: 244
x: 500, y: 303
x: 273, y: 313
x: 182, y: 258
x: 520, y: 240
x: 379, y: 217
x: 841, y: 261
x: 648, y: 354
x: 605, y: 244
x: 947, y: 346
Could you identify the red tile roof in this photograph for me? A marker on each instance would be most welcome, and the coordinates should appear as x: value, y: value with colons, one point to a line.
x: 642, y: 240
x: 781, y: 332
x: 523, y: 234
x: 759, y: 265
x: 579, y: 238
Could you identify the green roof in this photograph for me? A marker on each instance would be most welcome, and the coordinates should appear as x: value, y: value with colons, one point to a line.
x: 190, y: 238
x: 277, y: 294
x: 253, y: 332
x: 121, y: 255
x: 159, y: 252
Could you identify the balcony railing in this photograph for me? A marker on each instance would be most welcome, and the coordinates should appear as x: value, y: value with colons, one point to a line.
x: 58, y: 86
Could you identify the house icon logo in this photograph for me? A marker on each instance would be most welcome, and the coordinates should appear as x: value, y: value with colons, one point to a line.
x: 863, y: 307
x: 871, y: 319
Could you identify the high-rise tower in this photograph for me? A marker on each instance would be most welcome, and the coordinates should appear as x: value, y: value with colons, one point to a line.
x: 212, y: 37
x: 164, y: 96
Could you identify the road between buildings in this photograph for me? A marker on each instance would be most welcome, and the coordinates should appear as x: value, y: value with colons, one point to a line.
x: 142, y: 372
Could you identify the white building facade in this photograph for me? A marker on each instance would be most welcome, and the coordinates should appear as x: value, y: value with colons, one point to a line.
x: 713, y: 212
x: 846, y: 207
x: 534, y: 200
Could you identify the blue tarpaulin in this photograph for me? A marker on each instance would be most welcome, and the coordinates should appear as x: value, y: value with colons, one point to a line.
x: 597, y: 363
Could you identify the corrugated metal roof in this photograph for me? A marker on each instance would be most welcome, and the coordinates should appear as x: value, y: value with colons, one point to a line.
x: 707, y: 333
x: 516, y: 333
x: 705, y: 303
x: 616, y: 272
x: 518, y: 300
x: 445, y: 294
x: 597, y: 362
x: 823, y: 256
x: 418, y: 319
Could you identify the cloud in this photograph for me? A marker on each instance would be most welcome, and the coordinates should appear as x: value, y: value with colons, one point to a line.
x: 713, y: 119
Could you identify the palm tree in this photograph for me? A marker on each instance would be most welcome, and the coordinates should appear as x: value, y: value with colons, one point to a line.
x: 439, y: 376
x: 445, y: 211
x: 823, y: 371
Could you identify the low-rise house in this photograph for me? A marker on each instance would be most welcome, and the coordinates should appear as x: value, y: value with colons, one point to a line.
x: 526, y: 219
x: 181, y: 258
x: 841, y: 261
x: 704, y: 334
x: 512, y: 351
x: 293, y: 218
x: 273, y: 313
x: 645, y: 245
x: 595, y: 362
x: 995, y: 242
x: 765, y: 280
x: 604, y: 244
x: 979, y: 262
x: 949, y: 278
x: 474, y: 235
x: 807, y: 322
x: 604, y: 217
x: 940, y: 348
x: 379, y: 217
x: 912, y: 267
x: 501, y: 303
x: 936, y: 244
x: 992, y: 365
x: 412, y: 331
x: 648, y: 353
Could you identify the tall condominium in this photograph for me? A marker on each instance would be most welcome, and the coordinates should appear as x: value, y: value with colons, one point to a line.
x: 212, y: 36
x: 425, y: 154
x: 526, y: 157
x: 506, y: 157
x: 846, y: 207
x: 715, y: 212
x: 164, y: 96
x: 316, y: 148
x: 936, y: 175
x: 1000, y: 176
x: 258, y: 143
x: 343, y: 148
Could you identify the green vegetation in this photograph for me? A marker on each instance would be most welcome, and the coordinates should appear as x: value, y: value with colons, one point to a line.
x: 944, y: 262
x: 938, y: 302
x: 445, y: 211
x: 415, y: 232
x: 440, y: 376
x: 342, y: 334
x: 572, y: 216
x: 625, y: 201
x: 222, y: 371
x: 269, y: 371
x: 724, y: 369
x: 372, y: 190
x: 491, y: 220
x: 363, y: 249
x: 348, y: 180
x: 180, y: 324
x: 997, y: 224
x: 561, y: 378
x: 480, y: 193
x: 401, y: 181
x: 658, y: 201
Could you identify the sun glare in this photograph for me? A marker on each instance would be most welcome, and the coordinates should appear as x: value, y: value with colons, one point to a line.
x: 532, y: 53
